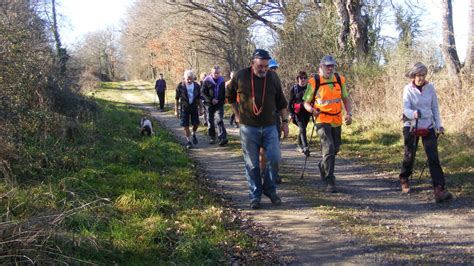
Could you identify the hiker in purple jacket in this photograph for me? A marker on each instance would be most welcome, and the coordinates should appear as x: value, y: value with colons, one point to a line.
x: 160, y: 88
x: 213, y: 91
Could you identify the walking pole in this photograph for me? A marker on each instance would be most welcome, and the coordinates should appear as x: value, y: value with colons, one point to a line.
x: 309, y: 145
x: 415, y: 146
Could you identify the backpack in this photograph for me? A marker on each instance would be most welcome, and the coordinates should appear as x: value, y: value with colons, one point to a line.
x: 318, y: 81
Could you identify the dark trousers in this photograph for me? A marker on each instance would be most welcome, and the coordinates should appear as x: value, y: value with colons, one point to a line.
x: 302, y: 123
x: 430, y: 144
x: 212, y: 110
x: 161, y: 98
x: 330, y: 142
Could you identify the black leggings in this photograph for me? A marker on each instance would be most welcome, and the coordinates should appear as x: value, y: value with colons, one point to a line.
x: 302, y: 122
x: 430, y: 144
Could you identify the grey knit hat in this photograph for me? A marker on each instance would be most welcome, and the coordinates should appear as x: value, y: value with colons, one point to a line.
x: 417, y: 69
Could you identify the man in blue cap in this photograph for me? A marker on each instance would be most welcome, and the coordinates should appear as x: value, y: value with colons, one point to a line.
x: 259, y: 93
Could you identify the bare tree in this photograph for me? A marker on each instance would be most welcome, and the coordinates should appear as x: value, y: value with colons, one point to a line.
x: 448, y: 47
x: 355, y: 24
x: 469, y: 61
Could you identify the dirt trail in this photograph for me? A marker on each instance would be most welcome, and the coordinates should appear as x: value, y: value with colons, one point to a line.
x: 412, y: 225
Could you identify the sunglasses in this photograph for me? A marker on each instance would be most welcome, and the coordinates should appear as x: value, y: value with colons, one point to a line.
x: 303, y: 77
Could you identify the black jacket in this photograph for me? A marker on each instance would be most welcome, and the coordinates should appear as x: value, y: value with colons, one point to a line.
x: 208, y: 91
x: 296, y: 97
x: 182, y: 97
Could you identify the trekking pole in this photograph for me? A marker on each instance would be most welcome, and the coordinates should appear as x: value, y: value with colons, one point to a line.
x: 415, y: 146
x: 309, y: 145
x: 427, y: 162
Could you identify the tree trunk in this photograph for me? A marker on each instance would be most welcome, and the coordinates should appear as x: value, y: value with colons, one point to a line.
x: 355, y: 24
x: 61, y: 53
x: 449, y: 44
x: 469, y: 61
x: 344, y: 31
x: 358, y: 26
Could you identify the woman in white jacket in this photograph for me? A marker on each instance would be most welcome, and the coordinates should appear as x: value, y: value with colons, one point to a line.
x: 422, y: 120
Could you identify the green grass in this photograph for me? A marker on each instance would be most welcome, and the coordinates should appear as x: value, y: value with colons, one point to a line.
x: 129, y: 199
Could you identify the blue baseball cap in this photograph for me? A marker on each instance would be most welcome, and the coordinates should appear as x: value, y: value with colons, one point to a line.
x: 273, y: 63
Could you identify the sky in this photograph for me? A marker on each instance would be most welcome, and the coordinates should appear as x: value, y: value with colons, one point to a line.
x: 83, y: 16
x: 79, y: 17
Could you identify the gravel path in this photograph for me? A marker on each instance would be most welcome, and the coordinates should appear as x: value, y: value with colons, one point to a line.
x: 409, y: 229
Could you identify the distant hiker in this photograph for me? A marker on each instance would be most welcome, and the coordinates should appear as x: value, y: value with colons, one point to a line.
x: 232, y: 117
x: 422, y: 119
x: 160, y: 88
x: 188, y: 95
x: 213, y: 92
x: 260, y: 94
x: 325, y: 95
x: 299, y: 115
x: 205, y: 115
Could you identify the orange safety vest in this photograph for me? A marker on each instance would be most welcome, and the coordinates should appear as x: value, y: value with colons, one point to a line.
x: 328, y: 100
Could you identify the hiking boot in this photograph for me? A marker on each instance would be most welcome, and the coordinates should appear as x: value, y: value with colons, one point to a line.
x: 212, y: 141
x: 306, y: 152
x: 299, y: 149
x: 441, y: 194
x: 255, y: 204
x: 223, y: 142
x: 188, y: 145
x: 321, y: 172
x: 278, y: 180
x: 331, y: 186
x: 195, y: 140
x: 274, y: 198
x: 405, y: 184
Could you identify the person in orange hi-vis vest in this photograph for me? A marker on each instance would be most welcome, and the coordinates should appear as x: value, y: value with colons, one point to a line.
x: 324, y: 98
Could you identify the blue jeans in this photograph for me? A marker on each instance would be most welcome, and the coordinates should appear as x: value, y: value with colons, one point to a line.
x: 212, y: 110
x: 252, y: 138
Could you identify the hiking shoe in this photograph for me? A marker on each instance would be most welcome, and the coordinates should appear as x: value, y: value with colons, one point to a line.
x: 212, y: 141
x: 223, y: 142
x: 195, y: 140
x: 306, y: 152
x: 299, y: 149
x: 278, y: 180
x: 274, y: 198
x: 331, y: 186
x: 405, y: 184
x: 321, y: 172
x: 255, y: 204
x: 188, y: 145
x: 441, y: 194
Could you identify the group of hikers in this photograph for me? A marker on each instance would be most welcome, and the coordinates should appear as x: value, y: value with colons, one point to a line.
x: 262, y: 112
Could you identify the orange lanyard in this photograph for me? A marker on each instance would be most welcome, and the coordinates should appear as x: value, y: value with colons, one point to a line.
x: 257, y: 111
